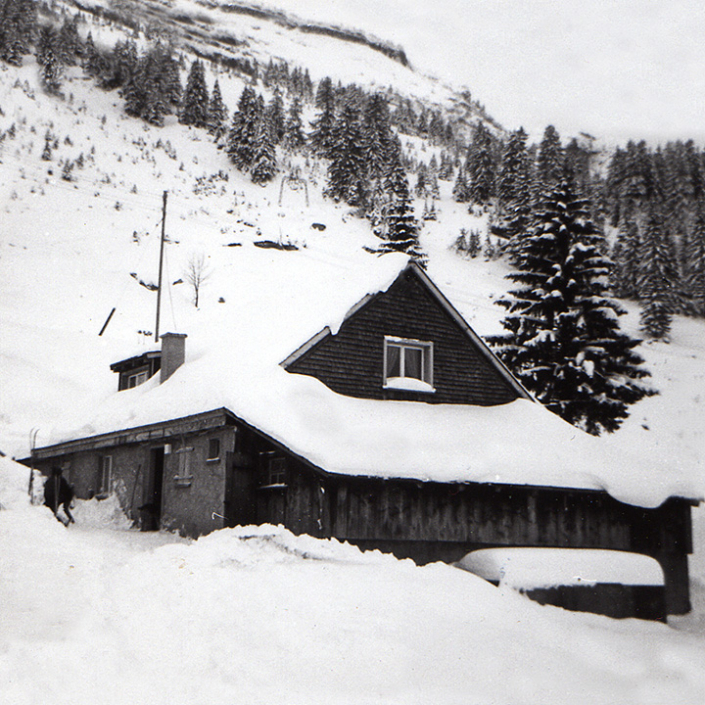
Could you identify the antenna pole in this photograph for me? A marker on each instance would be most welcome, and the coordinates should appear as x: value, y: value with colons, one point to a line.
x: 161, y: 266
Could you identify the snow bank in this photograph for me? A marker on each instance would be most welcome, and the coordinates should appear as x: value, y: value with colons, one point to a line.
x: 106, y: 513
x: 547, y: 567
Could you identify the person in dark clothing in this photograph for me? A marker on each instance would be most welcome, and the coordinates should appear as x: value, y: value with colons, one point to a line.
x: 58, y: 493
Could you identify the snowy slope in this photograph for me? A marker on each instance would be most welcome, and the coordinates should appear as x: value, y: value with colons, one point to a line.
x: 270, y: 625
x: 256, y: 615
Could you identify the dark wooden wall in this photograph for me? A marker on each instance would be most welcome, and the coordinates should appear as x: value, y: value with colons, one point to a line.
x: 433, y: 521
x: 351, y: 362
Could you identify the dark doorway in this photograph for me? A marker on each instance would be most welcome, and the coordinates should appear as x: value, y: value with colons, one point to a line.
x: 152, y: 506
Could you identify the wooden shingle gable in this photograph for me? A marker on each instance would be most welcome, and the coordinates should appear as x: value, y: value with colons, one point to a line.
x: 411, y: 314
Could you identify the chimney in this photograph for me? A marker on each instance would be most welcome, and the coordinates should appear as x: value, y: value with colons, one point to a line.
x: 173, y: 354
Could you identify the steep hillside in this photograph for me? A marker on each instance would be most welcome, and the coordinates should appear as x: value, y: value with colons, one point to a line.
x: 242, y: 35
x: 81, y: 208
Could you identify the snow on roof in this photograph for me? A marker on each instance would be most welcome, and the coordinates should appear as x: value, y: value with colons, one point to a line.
x: 232, y: 362
x: 545, y: 567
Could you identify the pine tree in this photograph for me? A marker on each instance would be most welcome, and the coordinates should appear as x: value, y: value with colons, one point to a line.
x: 377, y: 136
x: 18, y: 26
x: 657, y: 277
x: 563, y: 341
x: 294, y: 137
x: 68, y: 44
x: 421, y: 188
x: 513, y: 178
x: 217, y: 112
x: 474, y: 243
x: 151, y: 88
x: 399, y: 228
x: 322, y: 127
x: 123, y: 65
x: 445, y: 171
x: 695, y: 257
x: 241, y: 137
x: 481, y: 166
x: 513, y: 189
x: 276, y: 117
x: 550, y: 159
x: 51, y: 72
x: 625, y: 274
x: 93, y: 62
x: 461, y: 189
x: 46, y: 42
x: 264, y: 162
x: 347, y: 169
x: 194, y: 106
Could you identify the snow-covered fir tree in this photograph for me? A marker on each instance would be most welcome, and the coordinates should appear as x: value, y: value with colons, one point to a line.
x: 461, y: 188
x: 550, y: 160
x: 625, y: 257
x: 195, y: 102
x: 322, y: 127
x: 347, y: 168
x: 481, y: 166
x: 18, y: 25
x: 294, y: 137
x: 563, y: 338
x: 217, y: 112
x: 657, y: 277
x: 264, y: 161
x: 241, y: 137
x: 276, y: 117
x: 69, y: 44
x: 377, y: 135
x: 514, y: 190
x: 153, y: 87
x: 513, y: 177
x: 46, y: 42
x: 93, y: 62
x: 400, y: 229
x: 694, y: 273
x: 51, y: 72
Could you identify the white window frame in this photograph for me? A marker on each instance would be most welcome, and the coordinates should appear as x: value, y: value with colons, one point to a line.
x: 426, y: 348
x: 139, y: 378
x: 106, y: 476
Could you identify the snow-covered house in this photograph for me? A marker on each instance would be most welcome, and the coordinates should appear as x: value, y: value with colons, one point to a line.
x: 391, y: 426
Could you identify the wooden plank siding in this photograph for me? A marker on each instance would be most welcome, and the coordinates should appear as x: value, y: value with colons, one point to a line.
x: 434, y: 521
x: 352, y: 361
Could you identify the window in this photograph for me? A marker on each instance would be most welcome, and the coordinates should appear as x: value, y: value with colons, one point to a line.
x: 136, y: 379
x: 214, y: 449
x: 106, y: 476
x: 273, y: 469
x: 183, y: 459
x: 408, y: 364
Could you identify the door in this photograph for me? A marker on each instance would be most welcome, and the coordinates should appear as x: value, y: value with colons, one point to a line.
x: 152, y: 506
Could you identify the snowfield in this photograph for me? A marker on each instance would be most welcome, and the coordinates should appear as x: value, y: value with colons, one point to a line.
x: 99, y: 613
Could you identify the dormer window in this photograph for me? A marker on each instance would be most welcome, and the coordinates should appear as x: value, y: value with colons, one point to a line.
x: 408, y: 364
x: 137, y: 379
x: 137, y: 370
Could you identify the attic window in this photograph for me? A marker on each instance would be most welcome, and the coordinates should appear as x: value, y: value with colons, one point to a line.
x: 408, y: 364
x: 136, y: 379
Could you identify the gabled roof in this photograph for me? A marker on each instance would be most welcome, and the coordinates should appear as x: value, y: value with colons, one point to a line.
x: 454, y: 314
x: 131, y: 363
x: 233, y: 363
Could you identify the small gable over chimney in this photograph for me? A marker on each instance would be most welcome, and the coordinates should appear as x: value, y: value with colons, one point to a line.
x: 173, y: 354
